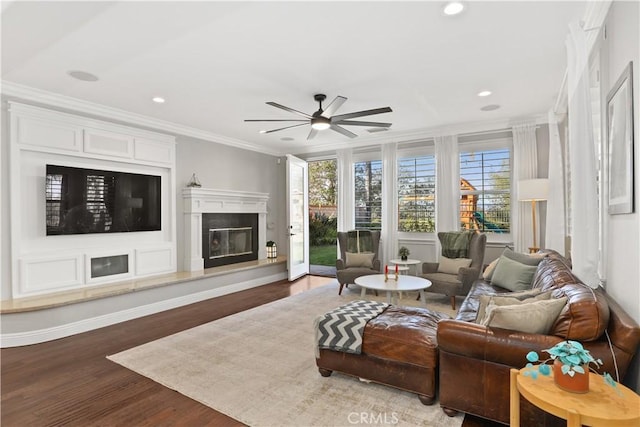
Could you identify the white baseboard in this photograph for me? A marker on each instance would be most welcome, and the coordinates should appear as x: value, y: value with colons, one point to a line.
x: 47, y: 334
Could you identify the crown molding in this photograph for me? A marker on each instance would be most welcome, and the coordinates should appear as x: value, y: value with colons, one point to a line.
x: 427, y: 133
x: 83, y: 107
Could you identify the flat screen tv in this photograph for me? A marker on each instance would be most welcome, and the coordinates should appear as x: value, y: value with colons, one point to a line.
x: 82, y: 201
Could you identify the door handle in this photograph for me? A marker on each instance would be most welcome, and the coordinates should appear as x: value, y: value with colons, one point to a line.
x: 292, y: 234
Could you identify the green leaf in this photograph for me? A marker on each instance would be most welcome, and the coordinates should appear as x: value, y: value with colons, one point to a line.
x: 573, y: 359
x: 532, y: 356
x: 576, y: 344
x: 579, y: 369
x: 609, y: 380
x: 544, y: 369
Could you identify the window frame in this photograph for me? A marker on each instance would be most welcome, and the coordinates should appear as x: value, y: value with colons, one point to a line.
x: 405, y: 154
x: 488, y: 145
x: 367, y: 156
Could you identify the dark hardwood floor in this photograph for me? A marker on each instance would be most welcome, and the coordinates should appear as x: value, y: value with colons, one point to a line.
x: 70, y: 382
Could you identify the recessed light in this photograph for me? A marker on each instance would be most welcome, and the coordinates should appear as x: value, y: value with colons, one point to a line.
x: 484, y: 93
x: 490, y: 107
x: 263, y: 131
x: 286, y: 138
x: 158, y: 99
x: 83, y: 75
x: 453, y: 8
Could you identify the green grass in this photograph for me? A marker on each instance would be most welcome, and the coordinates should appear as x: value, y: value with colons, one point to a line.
x: 323, y: 255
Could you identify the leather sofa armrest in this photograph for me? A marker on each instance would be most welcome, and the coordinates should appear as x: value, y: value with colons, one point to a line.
x: 494, y: 345
x: 429, y: 267
x: 339, y: 264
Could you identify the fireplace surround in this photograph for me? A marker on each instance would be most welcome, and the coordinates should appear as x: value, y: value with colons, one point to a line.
x: 223, y: 238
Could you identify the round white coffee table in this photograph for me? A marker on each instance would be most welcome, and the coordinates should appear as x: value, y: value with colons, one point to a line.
x: 406, y: 263
x: 392, y: 286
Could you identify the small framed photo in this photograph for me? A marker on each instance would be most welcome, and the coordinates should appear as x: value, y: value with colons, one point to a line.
x: 620, y: 144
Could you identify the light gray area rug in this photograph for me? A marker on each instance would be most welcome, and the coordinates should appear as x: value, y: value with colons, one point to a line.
x: 258, y: 367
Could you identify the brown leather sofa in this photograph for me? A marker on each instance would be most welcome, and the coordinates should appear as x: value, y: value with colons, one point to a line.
x: 475, y: 360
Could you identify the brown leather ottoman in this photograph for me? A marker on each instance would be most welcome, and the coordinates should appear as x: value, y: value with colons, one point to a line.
x: 399, y: 349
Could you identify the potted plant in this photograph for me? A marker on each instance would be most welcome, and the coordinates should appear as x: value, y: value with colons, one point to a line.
x: 570, y: 366
x: 403, y: 252
x: 272, y: 249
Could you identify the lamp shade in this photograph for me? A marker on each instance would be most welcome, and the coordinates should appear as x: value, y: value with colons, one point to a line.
x: 533, y: 189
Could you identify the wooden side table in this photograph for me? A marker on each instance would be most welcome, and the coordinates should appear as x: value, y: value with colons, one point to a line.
x: 601, y: 406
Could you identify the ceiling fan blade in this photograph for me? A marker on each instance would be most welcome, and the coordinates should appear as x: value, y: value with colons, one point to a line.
x: 288, y: 127
x: 357, y: 123
x: 343, y: 131
x: 333, y: 107
x: 312, y: 134
x: 275, y: 120
x: 361, y: 113
x: 291, y: 110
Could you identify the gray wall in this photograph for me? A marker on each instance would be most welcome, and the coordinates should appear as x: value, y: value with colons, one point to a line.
x: 622, y: 44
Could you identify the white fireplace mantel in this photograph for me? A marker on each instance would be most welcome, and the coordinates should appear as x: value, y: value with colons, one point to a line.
x: 207, y: 200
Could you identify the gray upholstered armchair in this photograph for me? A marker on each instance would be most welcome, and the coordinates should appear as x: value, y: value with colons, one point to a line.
x: 460, y: 282
x: 352, y: 264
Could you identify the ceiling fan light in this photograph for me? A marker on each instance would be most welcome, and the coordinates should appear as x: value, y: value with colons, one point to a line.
x: 320, y: 123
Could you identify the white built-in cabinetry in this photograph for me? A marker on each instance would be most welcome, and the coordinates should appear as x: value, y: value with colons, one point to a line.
x: 42, y: 264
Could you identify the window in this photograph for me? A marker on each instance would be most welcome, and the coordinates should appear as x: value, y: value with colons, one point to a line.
x: 368, y: 195
x: 485, y: 190
x: 416, y: 194
x: 53, y: 191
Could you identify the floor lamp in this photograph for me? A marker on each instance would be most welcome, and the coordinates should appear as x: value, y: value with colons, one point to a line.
x: 533, y: 190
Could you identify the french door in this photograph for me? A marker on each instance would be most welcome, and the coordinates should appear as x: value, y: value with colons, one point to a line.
x: 297, y: 217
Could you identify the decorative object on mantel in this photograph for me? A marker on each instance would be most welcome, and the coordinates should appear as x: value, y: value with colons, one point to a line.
x: 194, y: 182
x: 272, y: 249
x: 404, y: 253
x: 570, y: 366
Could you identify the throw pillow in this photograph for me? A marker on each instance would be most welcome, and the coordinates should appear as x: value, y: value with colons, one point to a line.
x: 488, y: 272
x: 528, y: 259
x: 535, y: 318
x: 509, y: 298
x: 512, y: 275
x: 355, y: 259
x: 452, y: 265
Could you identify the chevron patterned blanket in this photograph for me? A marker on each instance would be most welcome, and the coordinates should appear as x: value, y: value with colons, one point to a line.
x: 341, y: 329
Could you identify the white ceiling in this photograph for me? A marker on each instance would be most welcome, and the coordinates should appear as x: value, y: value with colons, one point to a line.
x: 217, y: 63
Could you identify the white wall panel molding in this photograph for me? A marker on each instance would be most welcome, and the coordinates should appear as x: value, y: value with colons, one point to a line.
x: 40, y: 136
x: 40, y: 274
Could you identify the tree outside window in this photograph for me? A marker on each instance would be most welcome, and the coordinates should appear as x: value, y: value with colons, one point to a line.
x: 368, y: 195
x: 417, y: 194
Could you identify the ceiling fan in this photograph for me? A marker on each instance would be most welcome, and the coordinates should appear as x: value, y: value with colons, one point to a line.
x: 324, y: 118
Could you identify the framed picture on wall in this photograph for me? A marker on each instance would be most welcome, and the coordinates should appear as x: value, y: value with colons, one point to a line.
x: 620, y: 144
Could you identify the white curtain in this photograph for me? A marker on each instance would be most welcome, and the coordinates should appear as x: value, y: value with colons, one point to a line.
x: 447, y: 186
x: 525, y: 166
x: 555, y: 230
x: 584, y: 196
x: 389, y: 202
x: 346, y: 219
